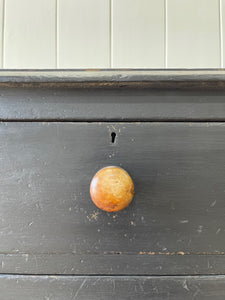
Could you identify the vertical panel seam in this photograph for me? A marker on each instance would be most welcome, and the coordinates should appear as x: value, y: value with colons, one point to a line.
x: 111, y: 33
x: 56, y: 34
x: 3, y: 34
x: 165, y: 35
x: 221, y: 33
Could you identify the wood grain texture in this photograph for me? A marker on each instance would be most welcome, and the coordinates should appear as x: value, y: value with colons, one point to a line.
x: 138, y: 34
x: 30, y: 34
x: 83, y: 34
x: 112, y: 189
x: 174, y: 225
x: 109, y: 288
x: 193, y: 34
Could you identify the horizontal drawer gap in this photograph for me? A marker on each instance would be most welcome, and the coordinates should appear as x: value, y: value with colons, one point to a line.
x: 99, y: 254
x: 114, y: 121
x: 138, y: 276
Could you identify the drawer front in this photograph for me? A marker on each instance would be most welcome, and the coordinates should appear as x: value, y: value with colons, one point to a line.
x: 109, y: 288
x: 174, y: 225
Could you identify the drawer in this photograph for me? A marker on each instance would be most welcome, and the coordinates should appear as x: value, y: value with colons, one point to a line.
x: 174, y: 226
x: 114, y: 287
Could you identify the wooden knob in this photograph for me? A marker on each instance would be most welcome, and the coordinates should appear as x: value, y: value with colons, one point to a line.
x: 112, y: 189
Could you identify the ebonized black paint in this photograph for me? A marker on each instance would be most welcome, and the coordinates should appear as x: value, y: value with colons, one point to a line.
x: 175, y: 224
x: 109, y: 288
x: 110, y: 104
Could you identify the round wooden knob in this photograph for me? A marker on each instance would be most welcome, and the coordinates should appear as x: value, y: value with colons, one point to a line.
x: 112, y: 189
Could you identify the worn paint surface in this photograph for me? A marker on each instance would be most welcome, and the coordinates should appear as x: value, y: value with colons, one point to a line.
x: 109, y: 288
x: 112, y: 97
x: 49, y: 225
x: 174, y: 226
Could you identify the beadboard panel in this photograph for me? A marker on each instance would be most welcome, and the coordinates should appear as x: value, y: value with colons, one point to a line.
x: 138, y: 34
x: 53, y: 34
x: 1, y: 31
x: 222, y: 33
x: 83, y: 34
x: 193, y: 34
x: 29, y: 34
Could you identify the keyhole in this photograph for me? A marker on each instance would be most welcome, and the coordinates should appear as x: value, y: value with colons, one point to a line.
x: 113, y: 136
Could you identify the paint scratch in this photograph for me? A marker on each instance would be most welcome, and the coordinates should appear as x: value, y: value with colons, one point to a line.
x: 79, y: 289
x: 185, y: 285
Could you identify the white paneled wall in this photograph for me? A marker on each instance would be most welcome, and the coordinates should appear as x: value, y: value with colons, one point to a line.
x: 193, y: 27
x: 138, y: 33
x: 83, y: 33
x: 222, y: 31
x: 29, y: 34
x: 48, y: 34
x: 1, y: 31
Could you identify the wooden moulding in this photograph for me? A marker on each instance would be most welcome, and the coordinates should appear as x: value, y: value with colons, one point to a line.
x: 214, y: 78
x: 112, y: 95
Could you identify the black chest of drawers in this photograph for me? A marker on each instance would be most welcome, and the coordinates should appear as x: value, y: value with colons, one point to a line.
x: 56, y: 132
